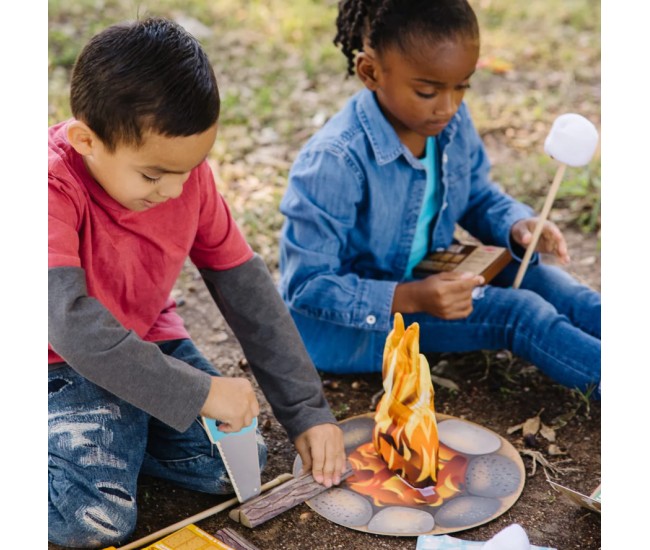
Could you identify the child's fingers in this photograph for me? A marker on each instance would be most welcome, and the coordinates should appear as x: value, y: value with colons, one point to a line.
x: 318, y: 466
x: 462, y: 280
x: 554, y: 242
x: 522, y: 232
x: 305, y: 455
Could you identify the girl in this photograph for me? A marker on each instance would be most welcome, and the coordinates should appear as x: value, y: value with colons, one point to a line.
x: 385, y: 182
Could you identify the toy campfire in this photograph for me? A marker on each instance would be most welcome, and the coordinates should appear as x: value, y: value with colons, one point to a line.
x: 406, y: 433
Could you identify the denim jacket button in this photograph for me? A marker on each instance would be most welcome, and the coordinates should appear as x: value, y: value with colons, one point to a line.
x: 371, y: 319
x: 445, y: 158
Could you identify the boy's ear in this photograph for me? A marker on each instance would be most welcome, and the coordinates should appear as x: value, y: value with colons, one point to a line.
x: 367, y: 70
x: 81, y: 137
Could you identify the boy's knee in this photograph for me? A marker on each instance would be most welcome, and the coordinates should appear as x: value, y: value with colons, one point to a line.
x: 94, y: 525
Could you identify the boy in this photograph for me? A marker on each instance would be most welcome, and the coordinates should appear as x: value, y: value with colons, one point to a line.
x: 130, y: 197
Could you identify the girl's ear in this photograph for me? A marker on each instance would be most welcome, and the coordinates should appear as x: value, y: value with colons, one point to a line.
x: 82, y: 138
x: 367, y: 69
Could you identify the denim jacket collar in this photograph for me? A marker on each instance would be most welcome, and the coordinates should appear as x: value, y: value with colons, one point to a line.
x: 383, y: 139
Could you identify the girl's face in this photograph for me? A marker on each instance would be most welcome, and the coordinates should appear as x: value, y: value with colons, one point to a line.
x: 420, y: 91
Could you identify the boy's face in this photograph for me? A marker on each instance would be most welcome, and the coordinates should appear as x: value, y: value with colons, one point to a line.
x: 419, y: 93
x: 144, y: 177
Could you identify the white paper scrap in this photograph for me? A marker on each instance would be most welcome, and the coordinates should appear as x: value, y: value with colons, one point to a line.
x: 445, y: 542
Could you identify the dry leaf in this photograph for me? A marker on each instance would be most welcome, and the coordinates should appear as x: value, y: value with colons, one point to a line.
x: 513, y: 429
x: 554, y: 450
x: 531, y: 426
x: 547, y: 433
x: 445, y: 382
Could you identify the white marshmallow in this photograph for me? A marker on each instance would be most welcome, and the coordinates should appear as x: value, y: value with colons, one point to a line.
x: 512, y: 537
x: 572, y: 140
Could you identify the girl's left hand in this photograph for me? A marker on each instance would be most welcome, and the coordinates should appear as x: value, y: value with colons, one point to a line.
x: 551, y: 240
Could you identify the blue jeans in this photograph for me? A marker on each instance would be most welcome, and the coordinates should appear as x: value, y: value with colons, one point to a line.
x: 99, y: 445
x: 551, y: 321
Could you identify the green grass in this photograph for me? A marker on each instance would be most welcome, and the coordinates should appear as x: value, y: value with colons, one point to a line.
x: 277, y: 68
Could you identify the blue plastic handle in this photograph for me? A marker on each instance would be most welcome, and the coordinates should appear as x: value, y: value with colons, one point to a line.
x: 216, y: 434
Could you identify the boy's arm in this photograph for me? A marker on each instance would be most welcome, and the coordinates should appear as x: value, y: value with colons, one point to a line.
x: 253, y: 308
x: 96, y: 345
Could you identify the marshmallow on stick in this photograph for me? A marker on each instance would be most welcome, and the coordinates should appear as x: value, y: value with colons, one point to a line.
x: 572, y: 141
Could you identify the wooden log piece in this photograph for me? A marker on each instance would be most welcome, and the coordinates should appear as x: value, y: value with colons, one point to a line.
x: 296, y: 491
x: 234, y: 539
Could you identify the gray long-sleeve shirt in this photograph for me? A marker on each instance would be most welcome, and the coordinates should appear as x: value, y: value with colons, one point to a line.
x: 96, y: 345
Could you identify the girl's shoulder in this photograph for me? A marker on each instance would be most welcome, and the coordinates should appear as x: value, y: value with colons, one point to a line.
x: 339, y: 132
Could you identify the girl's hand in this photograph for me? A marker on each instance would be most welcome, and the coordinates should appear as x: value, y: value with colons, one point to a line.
x: 444, y: 295
x: 551, y: 240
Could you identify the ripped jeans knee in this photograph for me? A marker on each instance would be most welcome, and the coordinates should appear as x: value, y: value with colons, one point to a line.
x: 98, y: 445
x: 88, y: 514
x: 95, y: 450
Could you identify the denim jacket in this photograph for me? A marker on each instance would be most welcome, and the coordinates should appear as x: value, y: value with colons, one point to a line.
x: 351, y: 208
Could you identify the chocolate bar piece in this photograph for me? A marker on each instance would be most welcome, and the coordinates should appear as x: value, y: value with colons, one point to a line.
x: 477, y: 259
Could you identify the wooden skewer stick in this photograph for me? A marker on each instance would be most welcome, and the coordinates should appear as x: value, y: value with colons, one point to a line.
x: 201, y: 515
x: 550, y: 197
x: 264, y: 507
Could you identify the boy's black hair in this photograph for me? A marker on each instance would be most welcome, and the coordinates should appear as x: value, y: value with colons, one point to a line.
x: 400, y: 23
x: 148, y: 75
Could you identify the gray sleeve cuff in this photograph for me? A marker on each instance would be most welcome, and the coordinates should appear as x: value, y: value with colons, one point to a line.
x: 253, y: 308
x: 95, y: 344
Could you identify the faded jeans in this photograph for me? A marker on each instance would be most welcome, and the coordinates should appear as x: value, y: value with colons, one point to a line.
x: 99, y: 445
x: 552, y: 321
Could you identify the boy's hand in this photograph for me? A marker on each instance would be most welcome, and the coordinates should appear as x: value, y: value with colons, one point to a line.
x: 551, y: 240
x: 321, y: 450
x: 232, y: 402
x: 445, y: 295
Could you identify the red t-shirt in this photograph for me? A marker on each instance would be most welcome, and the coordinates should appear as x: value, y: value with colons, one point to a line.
x: 132, y: 259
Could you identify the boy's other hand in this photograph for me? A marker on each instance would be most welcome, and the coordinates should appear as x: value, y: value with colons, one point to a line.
x: 551, y: 240
x: 321, y: 450
x: 445, y: 295
x: 232, y: 402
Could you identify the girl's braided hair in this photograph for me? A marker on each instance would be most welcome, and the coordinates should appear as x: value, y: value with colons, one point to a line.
x: 400, y: 23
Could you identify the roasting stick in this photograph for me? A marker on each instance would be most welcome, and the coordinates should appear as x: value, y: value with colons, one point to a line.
x: 572, y: 141
x: 198, y: 517
x: 550, y: 197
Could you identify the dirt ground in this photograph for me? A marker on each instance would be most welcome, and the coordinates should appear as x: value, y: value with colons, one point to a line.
x: 277, y: 89
x: 495, y: 391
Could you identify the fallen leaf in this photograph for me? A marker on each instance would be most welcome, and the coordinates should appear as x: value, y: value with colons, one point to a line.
x: 444, y: 382
x: 547, y: 433
x: 513, y: 429
x: 531, y: 426
x: 554, y: 450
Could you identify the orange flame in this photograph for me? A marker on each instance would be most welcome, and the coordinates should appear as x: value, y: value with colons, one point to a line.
x: 406, y: 433
x: 373, y: 478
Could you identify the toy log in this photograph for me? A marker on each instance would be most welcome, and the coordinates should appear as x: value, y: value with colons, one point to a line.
x: 264, y: 507
x: 234, y: 540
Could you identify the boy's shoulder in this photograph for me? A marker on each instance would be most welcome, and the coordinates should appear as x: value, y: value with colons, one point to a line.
x: 64, y: 164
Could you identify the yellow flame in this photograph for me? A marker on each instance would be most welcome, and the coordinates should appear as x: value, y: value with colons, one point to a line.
x: 406, y: 432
